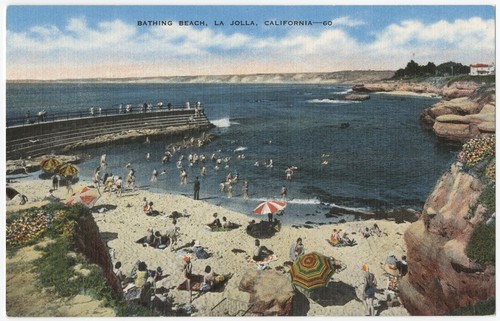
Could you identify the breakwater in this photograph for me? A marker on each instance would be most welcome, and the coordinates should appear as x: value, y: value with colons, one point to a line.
x: 46, y: 137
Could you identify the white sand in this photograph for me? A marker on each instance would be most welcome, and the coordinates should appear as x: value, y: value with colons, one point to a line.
x: 130, y: 224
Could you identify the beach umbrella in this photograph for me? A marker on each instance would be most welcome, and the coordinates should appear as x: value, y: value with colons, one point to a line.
x: 312, y: 271
x: 269, y: 207
x: 68, y: 170
x: 11, y: 193
x: 50, y: 164
x: 87, y: 196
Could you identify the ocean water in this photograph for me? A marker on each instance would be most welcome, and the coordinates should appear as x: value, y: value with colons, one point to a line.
x: 383, y: 160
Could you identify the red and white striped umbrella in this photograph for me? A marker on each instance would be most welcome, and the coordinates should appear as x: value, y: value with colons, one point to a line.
x: 87, y: 196
x: 269, y: 207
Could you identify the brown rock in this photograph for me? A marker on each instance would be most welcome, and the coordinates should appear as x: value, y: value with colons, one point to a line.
x: 271, y: 293
x: 440, y: 276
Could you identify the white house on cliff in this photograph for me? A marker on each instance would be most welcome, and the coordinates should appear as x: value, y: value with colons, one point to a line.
x: 482, y: 69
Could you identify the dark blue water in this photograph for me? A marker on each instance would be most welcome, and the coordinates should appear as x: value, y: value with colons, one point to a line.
x: 381, y: 161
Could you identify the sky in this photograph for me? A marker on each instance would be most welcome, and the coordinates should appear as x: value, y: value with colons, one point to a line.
x: 61, y: 42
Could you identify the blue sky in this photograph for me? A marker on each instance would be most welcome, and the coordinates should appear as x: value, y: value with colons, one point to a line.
x: 51, y: 42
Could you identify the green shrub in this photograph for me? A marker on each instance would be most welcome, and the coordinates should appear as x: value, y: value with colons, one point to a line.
x: 481, y: 246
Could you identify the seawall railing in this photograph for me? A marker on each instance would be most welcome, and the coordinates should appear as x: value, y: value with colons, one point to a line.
x: 52, y: 135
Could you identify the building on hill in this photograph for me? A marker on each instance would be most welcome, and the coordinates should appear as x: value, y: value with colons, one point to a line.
x: 482, y: 69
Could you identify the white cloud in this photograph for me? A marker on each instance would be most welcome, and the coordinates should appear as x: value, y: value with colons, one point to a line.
x: 187, y: 50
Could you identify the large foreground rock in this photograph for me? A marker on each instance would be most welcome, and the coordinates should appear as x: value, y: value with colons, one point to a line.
x: 271, y: 293
x: 441, y: 277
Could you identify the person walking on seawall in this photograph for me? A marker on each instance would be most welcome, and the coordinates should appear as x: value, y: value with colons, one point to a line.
x: 196, y: 188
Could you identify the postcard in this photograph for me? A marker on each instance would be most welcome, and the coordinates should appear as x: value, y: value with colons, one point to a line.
x: 320, y: 160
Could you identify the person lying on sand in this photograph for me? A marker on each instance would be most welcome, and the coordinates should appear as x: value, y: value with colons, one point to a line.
x: 212, y: 280
x: 228, y: 224
x: 199, y: 251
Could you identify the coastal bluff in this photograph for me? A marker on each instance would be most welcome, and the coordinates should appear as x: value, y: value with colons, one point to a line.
x: 467, y: 108
x: 441, y: 278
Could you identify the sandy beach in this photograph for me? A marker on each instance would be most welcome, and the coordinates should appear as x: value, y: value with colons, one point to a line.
x: 124, y: 223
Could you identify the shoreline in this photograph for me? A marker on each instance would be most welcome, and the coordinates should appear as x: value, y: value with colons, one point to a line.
x: 125, y: 219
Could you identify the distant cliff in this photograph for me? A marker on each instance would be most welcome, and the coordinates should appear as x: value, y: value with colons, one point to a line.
x: 344, y: 77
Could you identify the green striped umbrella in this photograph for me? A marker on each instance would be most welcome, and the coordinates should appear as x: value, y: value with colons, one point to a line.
x: 50, y: 164
x: 311, y: 271
x: 67, y: 170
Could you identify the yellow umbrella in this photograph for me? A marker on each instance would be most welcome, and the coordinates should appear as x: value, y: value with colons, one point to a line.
x: 50, y: 164
x: 68, y: 170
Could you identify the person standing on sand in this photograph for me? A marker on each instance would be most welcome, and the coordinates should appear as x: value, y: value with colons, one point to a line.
x: 369, y: 287
x: 187, y: 273
x: 55, y: 182
x: 196, y: 188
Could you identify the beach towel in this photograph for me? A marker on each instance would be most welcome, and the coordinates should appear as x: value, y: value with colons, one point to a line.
x: 197, y: 280
x: 342, y: 244
x: 223, y: 229
x: 267, y: 260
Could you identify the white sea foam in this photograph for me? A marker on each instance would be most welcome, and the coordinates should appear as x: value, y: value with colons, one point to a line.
x: 307, y: 201
x: 222, y: 123
x: 240, y: 149
x: 332, y: 101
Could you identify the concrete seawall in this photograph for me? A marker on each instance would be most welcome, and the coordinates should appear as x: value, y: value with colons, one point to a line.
x: 31, y: 140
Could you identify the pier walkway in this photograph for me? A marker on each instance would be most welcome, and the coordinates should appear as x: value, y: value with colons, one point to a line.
x: 56, y: 132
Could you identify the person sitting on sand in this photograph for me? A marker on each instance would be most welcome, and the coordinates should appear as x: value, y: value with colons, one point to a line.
x: 375, y: 230
x: 227, y: 224
x: 149, y: 238
x: 260, y: 252
x: 215, y: 223
x: 24, y: 199
x: 402, y: 266
x: 141, y: 275
x: 50, y: 196
x: 335, y: 237
x: 157, y: 239
x: 296, y: 250
x: 208, y: 279
x: 391, y: 264
x: 276, y: 225
x: 346, y: 240
x: 118, y: 271
x: 366, y: 232
x: 148, y: 209
x: 199, y: 251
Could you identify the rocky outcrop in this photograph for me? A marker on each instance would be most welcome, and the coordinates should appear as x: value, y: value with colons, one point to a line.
x: 467, y: 108
x: 461, y: 119
x: 357, y: 97
x: 271, y: 293
x: 89, y: 242
x: 440, y: 276
x: 33, y: 164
